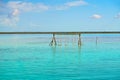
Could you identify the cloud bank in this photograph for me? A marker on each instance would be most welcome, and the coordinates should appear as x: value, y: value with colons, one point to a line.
x: 71, y: 4
x: 10, y: 11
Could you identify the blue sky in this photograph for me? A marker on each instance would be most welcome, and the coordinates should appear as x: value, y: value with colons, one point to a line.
x: 59, y: 15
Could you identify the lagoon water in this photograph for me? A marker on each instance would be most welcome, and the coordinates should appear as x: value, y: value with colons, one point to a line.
x: 29, y: 58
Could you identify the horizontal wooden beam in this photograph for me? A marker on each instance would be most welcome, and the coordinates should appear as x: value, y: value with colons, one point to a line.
x: 64, y: 33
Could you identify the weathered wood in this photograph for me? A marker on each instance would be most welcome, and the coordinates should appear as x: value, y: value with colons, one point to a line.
x: 79, y: 40
x: 53, y: 42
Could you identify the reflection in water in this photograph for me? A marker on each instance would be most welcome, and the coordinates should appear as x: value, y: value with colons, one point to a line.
x: 58, y: 50
x: 53, y: 49
x: 96, y: 41
x: 79, y: 53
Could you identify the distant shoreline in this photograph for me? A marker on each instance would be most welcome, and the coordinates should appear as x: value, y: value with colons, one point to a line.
x: 65, y: 33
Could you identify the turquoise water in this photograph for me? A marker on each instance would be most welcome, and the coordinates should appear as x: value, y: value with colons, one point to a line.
x: 30, y: 59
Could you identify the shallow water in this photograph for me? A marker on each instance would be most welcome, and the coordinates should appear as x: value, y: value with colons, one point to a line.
x: 32, y: 60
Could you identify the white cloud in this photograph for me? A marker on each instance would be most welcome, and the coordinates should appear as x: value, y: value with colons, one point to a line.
x: 27, y: 6
x: 76, y: 3
x: 117, y: 16
x: 10, y: 11
x: 71, y: 4
x: 96, y: 16
x: 15, y: 12
x: 7, y: 21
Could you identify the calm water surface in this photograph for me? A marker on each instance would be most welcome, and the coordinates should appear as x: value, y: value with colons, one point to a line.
x: 29, y: 59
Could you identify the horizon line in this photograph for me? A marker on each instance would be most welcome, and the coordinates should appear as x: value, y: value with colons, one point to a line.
x: 64, y: 32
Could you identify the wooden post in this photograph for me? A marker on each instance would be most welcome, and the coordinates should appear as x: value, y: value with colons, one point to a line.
x: 53, y: 42
x: 79, y: 40
x: 96, y: 40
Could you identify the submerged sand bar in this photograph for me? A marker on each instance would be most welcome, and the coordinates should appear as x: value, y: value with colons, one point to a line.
x: 65, y: 33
